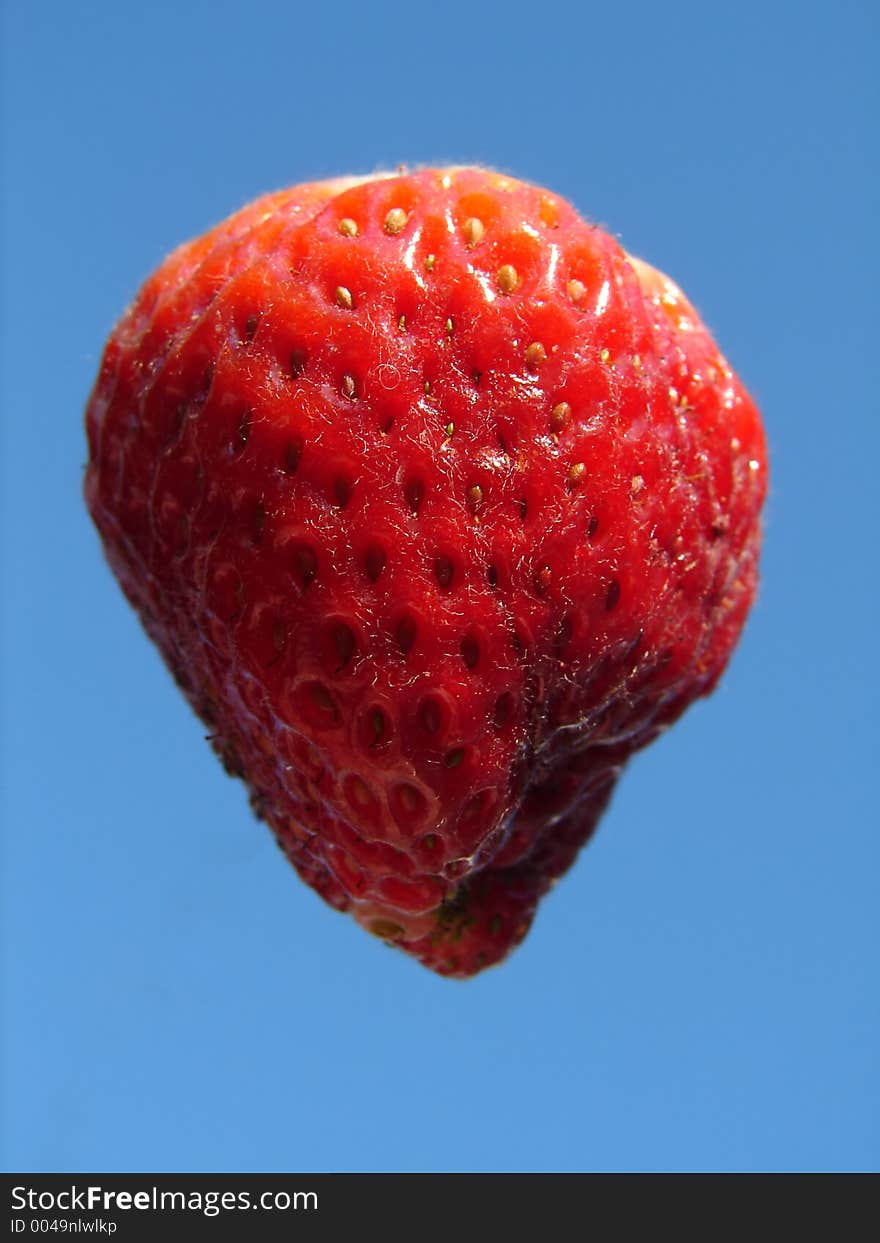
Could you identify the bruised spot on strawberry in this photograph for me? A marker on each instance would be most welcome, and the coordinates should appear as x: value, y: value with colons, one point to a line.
x: 475, y: 818
x: 451, y: 912
x: 316, y: 572
x: 455, y: 869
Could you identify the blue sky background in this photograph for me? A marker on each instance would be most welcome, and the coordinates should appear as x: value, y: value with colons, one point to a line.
x: 701, y: 992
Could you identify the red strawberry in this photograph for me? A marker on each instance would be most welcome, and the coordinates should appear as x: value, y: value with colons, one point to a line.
x: 438, y: 506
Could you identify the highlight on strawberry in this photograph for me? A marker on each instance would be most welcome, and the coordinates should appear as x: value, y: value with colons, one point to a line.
x: 439, y: 506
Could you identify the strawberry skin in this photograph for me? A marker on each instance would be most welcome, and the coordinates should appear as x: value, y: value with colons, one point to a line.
x: 438, y: 506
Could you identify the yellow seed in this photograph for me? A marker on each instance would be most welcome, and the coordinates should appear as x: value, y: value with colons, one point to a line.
x: 348, y: 386
x: 348, y: 227
x: 604, y: 355
x: 343, y: 298
x: 401, y: 323
x: 576, y: 475
x: 507, y: 278
x: 395, y: 221
x: 576, y: 290
x: 427, y: 387
x: 429, y: 263
x: 535, y: 354
x: 450, y: 428
x: 449, y: 327
x: 548, y: 214
x: 559, y: 416
x: 636, y: 484
x: 475, y: 496
x: 474, y: 231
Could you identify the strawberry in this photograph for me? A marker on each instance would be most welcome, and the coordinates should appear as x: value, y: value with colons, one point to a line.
x: 439, y: 506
